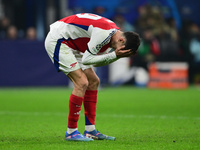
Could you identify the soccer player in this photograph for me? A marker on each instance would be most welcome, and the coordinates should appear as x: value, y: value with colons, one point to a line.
x: 77, y: 43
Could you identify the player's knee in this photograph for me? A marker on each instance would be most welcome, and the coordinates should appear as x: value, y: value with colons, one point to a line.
x: 83, y: 84
x: 94, y: 83
x: 97, y: 81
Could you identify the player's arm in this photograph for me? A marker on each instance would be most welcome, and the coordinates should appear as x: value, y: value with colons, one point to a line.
x: 98, y: 60
x: 102, y: 60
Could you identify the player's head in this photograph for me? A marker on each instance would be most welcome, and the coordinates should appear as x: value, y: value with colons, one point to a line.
x: 132, y: 41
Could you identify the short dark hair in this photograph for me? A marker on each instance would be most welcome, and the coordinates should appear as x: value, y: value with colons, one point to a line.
x: 132, y: 41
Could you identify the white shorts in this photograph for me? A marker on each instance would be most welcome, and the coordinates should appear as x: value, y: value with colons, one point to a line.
x: 64, y: 58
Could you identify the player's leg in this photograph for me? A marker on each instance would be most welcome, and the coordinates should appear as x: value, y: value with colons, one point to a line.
x: 75, y: 102
x: 90, y: 104
x: 76, y: 98
x: 90, y: 99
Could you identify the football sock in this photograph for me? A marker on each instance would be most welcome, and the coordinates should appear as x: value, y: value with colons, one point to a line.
x: 89, y: 127
x: 70, y: 130
x: 90, y: 101
x: 75, y: 103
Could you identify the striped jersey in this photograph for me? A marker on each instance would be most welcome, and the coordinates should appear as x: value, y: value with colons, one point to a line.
x: 84, y: 31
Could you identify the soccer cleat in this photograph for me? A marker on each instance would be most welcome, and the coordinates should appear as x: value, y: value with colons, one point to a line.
x: 76, y: 136
x: 96, y: 135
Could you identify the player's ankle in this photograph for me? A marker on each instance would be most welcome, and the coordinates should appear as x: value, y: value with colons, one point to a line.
x: 89, y: 127
x: 71, y: 130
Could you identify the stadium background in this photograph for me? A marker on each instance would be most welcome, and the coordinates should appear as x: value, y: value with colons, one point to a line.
x: 25, y: 23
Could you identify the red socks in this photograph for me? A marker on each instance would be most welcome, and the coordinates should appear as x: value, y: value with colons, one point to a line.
x: 90, y: 101
x: 75, y: 104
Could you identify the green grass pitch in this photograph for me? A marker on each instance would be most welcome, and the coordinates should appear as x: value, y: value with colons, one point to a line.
x: 139, y: 118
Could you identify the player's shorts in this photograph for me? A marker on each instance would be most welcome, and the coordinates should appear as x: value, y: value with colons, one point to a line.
x: 64, y: 58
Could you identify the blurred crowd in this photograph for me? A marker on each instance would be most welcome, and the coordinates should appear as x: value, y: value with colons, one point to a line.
x: 8, y: 31
x: 161, y: 39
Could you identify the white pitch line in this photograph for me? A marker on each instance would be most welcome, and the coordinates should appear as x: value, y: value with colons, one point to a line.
x: 20, y: 113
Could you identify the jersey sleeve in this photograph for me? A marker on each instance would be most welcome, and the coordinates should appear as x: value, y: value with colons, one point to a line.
x: 98, y: 60
x: 99, y: 38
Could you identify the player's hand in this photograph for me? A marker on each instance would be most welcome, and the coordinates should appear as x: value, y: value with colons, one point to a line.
x: 121, y: 52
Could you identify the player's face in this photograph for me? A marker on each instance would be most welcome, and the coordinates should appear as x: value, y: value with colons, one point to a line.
x: 117, y: 40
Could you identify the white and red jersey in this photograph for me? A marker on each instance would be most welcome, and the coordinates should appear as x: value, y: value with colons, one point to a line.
x: 84, y: 31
